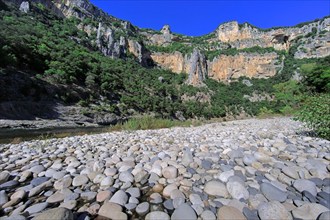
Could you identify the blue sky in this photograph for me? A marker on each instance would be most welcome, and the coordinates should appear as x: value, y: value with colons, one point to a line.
x: 197, y: 17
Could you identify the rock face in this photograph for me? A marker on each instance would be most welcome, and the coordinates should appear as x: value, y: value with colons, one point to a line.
x: 116, y: 41
x: 243, y: 64
x: 198, y: 68
x: 165, y: 36
x: 24, y: 7
x: 175, y: 62
x: 222, y: 68
x: 245, y: 36
x: 195, y: 65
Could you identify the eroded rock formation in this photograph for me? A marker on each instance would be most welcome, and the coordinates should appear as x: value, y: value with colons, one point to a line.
x: 198, y: 69
x: 246, y: 36
x: 243, y: 64
x: 221, y: 68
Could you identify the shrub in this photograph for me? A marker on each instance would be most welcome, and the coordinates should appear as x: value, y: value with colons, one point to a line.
x: 149, y: 122
x: 265, y: 112
x: 316, y: 114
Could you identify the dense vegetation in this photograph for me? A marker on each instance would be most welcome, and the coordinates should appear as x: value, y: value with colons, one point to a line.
x: 55, y: 50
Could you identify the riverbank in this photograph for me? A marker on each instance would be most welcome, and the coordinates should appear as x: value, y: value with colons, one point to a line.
x: 247, y: 169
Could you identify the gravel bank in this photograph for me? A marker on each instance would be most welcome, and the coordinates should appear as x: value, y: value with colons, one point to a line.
x: 248, y: 169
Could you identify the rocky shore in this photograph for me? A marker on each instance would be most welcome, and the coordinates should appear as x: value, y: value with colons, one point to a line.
x: 248, y: 169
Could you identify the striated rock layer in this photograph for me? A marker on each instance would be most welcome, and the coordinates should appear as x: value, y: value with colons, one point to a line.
x: 223, y: 67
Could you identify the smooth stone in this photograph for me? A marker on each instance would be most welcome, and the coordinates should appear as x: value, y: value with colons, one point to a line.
x: 56, y: 213
x: 155, y: 198
x: 18, y: 195
x: 176, y: 194
x: 290, y: 172
x: 50, y: 172
x: 110, y: 171
x: 112, y: 211
x: 168, y: 189
x: 39, y: 180
x: 120, y: 197
x: 103, y: 195
x: 273, y: 210
x: 98, y: 178
x: 70, y: 204
x: 107, y: 181
x: 177, y: 202
x: 4, y: 176
x: 208, y: 215
x: 273, y: 193
x: 184, y: 211
x: 216, y: 188
x: 71, y: 196
x: 308, y: 196
x: 228, y: 213
x: 135, y: 192
x: 157, y: 215
x: 195, y: 199
x: 309, y: 211
x: 250, y: 214
x: 36, y: 208
x: 206, y: 164
x: 88, y: 196
x: 224, y: 176
x: 126, y: 177
x: 261, y: 157
x: 170, y: 172
x: 80, y: 180
x: 249, y: 159
x: 56, y: 197
x: 237, y: 190
x: 187, y: 157
x: 142, y: 208
x: 93, y: 209
x: 130, y: 206
x: 14, y: 217
x: 141, y: 176
x: 3, y: 198
x: 36, y: 190
x: 58, y: 175
x: 324, y: 195
x: 63, y: 183
x: 307, y: 185
x: 168, y: 204
x: 158, y: 188
x: 37, y: 169
x: 324, y: 216
x: 9, y: 184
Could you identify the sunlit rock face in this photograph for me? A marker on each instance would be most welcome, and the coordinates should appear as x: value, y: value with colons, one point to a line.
x: 246, y: 36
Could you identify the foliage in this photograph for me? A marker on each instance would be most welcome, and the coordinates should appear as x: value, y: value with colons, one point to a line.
x: 149, y: 122
x: 233, y: 51
x: 54, y: 49
x: 316, y: 114
x: 289, y: 94
x: 317, y: 75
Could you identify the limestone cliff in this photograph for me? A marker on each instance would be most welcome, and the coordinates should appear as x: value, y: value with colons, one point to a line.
x: 243, y: 64
x: 246, y: 36
x: 222, y: 68
x: 163, y: 37
x: 116, y: 38
x: 175, y: 62
x: 198, y: 69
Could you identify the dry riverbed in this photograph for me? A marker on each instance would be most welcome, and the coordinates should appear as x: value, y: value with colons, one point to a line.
x: 249, y: 169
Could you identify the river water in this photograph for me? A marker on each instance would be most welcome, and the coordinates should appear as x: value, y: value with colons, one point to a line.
x: 18, y: 135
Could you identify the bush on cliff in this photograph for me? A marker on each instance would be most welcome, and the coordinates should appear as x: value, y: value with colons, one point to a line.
x: 315, y: 112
